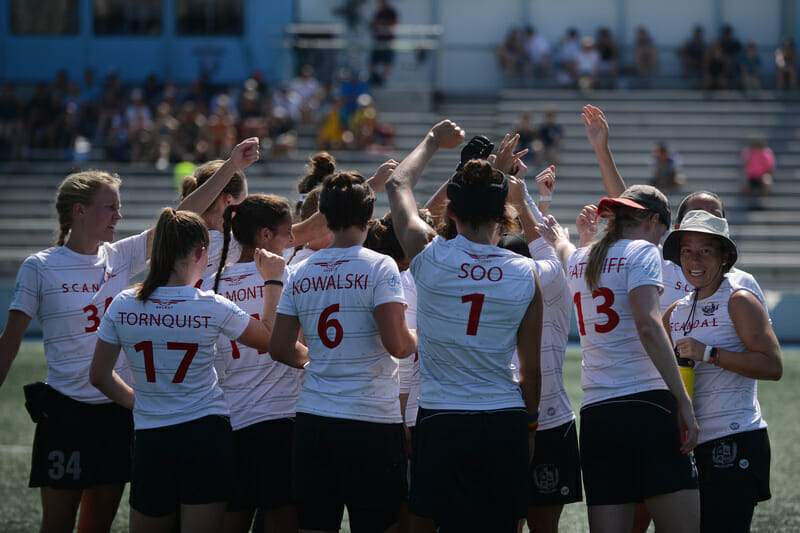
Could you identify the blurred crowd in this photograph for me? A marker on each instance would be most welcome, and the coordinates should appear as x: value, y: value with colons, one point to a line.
x: 587, y: 62
x: 159, y: 123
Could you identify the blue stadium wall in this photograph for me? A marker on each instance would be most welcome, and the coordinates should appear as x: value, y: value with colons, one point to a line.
x: 465, y: 61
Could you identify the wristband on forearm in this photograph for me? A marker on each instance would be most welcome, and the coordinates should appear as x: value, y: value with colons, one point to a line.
x: 533, y: 422
x: 711, y: 355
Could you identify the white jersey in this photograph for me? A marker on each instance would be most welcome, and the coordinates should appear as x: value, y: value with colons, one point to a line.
x: 724, y: 402
x: 554, y: 406
x: 301, y: 255
x: 472, y: 298
x: 676, y: 287
x: 170, y: 342
x: 334, y: 295
x: 614, y: 361
x: 409, y: 367
x: 216, y: 240
x: 69, y: 293
x: 256, y: 387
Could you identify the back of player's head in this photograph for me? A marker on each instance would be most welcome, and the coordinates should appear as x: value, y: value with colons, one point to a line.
x: 79, y: 188
x: 176, y: 235
x: 319, y: 166
x: 477, y: 194
x: 382, y: 238
x: 254, y: 213
x: 201, y: 174
x: 686, y: 204
x: 346, y: 200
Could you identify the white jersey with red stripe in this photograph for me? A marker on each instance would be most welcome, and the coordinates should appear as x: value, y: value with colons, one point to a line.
x: 554, y: 406
x: 472, y: 298
x: 724, y: 402
x: 69, y: 293
x: 614, y: 361
x: 334, y: 295
x: 409, y: 367
x: 170, y: 343
x: 256, y: 387
x: 216, y: 240
x: 676, y: 287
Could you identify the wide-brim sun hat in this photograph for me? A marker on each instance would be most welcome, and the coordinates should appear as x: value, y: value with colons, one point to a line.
x: 700, y: 222
x: 639, y: 197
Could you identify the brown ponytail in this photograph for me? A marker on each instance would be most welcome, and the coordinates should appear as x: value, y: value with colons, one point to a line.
x: 619, y: 219
x: 176, y: 234
x: 227, y: 215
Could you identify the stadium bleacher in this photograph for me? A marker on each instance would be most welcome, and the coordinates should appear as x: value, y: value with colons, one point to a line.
x: 709, y: 132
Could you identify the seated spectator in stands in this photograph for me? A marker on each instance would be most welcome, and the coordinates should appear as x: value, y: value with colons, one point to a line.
x: 666, y: 168
x: 330, y: 135
x: 11, y: 123
x: 758, y: 162
x: 587, y: 65
x: 551, y: 134
x: 220, y: 133
x: 786, y: 65
x: 139, y: 122
x: 693, y: 53
x: 351, y: 87
x: 569, y: 48
x: 511, y: 53
x: 310, y: 92
x: 165, y: 126
x: 187, y: 142
x: 528, y: 136
x: 645, y: 55
x: 716, y: 69
x: 537, y: 52
x: 731, y: 46
x: 750, y: 68
x: 609, y: 56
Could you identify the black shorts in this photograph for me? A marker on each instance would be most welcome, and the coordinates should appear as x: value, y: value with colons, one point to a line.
x: 734, y: 477
x: 556, y: 467
x: 263, y: 465
x: 469, y: 469
x: 80, y: 445
x: 340, y: 462
x: 630, y: 449
x: 189, y: 463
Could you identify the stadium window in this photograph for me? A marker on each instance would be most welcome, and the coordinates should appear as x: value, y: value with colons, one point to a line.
x: 127, y: 17
x: 45, y: 17
x: 210, y: 17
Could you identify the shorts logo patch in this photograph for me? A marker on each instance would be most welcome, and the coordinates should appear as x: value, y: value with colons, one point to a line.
x: 744, y: 464
x: 545, y: 477
x: 551, y: 411
x: 734, y: 425
x: 723, y: 455
x: 564, y: 490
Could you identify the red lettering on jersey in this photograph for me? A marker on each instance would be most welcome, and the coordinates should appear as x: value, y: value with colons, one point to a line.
x: 576, y: 271
x: 479, y: 272
x: 166, y: 320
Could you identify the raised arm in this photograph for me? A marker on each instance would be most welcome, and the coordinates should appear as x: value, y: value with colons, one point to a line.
x: 378, y: 180
x: 645, y: 309
x: 597, y: 133
x: 243, y: 155
x: 412, y: 232
x: 558, y: 237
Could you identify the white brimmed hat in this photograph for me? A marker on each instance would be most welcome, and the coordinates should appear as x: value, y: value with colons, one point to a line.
x: 700, y: 222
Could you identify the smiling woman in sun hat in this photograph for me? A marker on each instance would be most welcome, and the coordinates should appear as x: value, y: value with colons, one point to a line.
x: 724, y: 328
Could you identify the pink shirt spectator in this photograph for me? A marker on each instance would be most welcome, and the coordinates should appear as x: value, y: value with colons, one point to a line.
x: 758, y: 161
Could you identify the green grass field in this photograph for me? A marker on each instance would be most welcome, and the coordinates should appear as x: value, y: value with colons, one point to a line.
x: 20, y: 510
